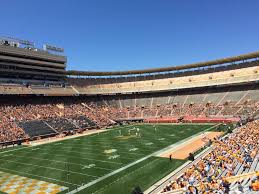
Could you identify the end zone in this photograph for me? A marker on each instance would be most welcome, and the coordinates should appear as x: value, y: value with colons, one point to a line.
x: 17, y: 184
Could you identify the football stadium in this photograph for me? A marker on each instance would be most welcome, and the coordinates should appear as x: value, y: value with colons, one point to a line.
x: 179, y: 129
x: 90, y: 132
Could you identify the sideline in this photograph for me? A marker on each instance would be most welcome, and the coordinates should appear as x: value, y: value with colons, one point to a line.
x: 136, y: 162
x: 26, y: 146
x: 58, y: 139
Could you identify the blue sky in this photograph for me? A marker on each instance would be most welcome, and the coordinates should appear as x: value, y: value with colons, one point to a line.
x: 113, y: 35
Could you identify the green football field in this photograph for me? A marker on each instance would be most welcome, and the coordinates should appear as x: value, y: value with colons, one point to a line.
x: 114, y: 161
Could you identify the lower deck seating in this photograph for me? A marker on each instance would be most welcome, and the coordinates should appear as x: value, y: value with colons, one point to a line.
x: 235, y: 154
x: 79, y: 111
x: 55, y: 125
x: 245, y: 184
x: 82, y: 122
x: 61, y: 124
x: 36, y: 128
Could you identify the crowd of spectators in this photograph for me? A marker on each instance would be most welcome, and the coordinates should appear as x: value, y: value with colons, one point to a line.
x: 179, y: 110
x: 12, y: 115
x: 209, y: 175
x: 163, y: 110
x: 9, y: 131
x: 102, y: 112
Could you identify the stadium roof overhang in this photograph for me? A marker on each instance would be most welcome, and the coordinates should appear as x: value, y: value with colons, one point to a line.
x: 166, y: 69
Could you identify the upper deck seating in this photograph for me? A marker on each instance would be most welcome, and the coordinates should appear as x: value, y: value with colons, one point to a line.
x: 192, y: 81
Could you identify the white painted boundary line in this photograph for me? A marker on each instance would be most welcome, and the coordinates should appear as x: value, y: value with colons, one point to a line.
x: 52, y: 140
x: 108, y: 175
x: 133, y: 163
x: 93, y: 133
x: 157, y: 187
x: 103, y: 188
x: 162, y: 182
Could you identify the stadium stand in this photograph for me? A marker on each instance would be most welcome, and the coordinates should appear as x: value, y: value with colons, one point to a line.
x: 203, y: 80
x: 82, y: 122
x: 42, y: 116
x: 237, y: 101
x: 39, y: 98
x: 231, y: 156
x: 71, y: 111
x: 61, y: 124
x: 36, y: 128
x: 231, y: 101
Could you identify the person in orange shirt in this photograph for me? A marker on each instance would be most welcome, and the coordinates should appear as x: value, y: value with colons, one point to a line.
x: 255, y: 185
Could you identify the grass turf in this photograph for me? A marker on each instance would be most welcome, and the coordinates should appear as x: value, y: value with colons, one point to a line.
x: 78, y: 161
x: 5, y: 149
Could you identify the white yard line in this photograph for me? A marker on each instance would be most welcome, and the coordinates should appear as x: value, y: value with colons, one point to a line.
x: 84, y: 148
x: 103, y: 177
x: 88, y: 135
x: 107, y: 175
x: 39, y: 176
x: 104, y: 155
x: 6, y: 155
x: 57, y: 161
x: 104, y: 161
x: 133, y: 163
x: 58, y: 169
x: 140, y: 140
x: 110, y: 146
x: 14, y: 150
x: 108, y: 143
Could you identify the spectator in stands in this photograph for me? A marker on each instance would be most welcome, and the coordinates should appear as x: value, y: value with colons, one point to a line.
x: 191, y: 157
x: 212, y: 172
x: 192, y: 190
x: 12, y: 114
x: 255, y: 183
